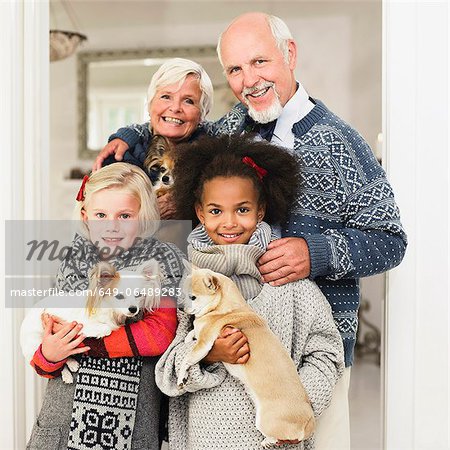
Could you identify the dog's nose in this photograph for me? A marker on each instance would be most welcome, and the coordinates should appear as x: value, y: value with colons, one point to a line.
x: 133, y: 309
x: 165, y: 179
x: 192, y: 297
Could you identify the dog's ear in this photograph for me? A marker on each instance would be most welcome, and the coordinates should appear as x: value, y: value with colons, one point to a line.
x: 188, y: 267
x: 150, y: 269
x: 159, y: 145
x: 106, y: 274
x: 211, y: 282
x: 152, y: 275
x: 101, y: 277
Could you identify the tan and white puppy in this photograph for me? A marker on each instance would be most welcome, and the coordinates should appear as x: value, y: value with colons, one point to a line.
x: 112, y: 297
x: 283, y: 410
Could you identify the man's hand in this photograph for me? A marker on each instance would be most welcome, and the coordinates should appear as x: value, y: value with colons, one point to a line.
x: 166, y: 206
x: 64, y: 343
x: 116, y: 147
x: 230, y: 347
x: 285, y: 260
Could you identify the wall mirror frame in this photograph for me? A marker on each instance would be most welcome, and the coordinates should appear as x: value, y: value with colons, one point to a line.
x: 114, y: 61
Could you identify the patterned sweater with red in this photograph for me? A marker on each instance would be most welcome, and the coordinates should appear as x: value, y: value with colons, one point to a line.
x: 147, y: 337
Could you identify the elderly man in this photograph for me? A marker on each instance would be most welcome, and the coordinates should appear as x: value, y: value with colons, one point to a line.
x: 344, y: 224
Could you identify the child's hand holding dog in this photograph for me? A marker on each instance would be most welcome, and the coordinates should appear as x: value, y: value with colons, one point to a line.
x: 62, y: 344
x: 230, y: 347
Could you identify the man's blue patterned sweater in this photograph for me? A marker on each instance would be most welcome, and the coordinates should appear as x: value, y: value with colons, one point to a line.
x: 345, y: 208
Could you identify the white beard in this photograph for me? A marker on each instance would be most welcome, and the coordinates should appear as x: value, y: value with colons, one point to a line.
x: 269, y: 114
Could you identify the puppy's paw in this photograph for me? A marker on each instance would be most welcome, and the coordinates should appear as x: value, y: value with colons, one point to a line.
x: 181, y: 382
x: 72, y: 364
x: 190, y: 337
x: 268, y: 442
x: 98, y: 331
x: 182, y: 379
x: 66, y: 376
x: 103, y: 334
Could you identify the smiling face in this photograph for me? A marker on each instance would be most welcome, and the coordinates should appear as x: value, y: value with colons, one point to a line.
x: 111, y: 216
x: 175, y: 110
x: 255, y: 68
x: 230, y: 210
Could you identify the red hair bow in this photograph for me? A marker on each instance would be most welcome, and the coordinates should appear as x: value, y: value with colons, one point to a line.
x: 80, y: 195
x: 259, y: 170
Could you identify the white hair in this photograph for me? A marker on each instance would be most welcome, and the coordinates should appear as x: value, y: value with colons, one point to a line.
x: 175, y: 71
x: 280, y: 33
x: 269, y: 114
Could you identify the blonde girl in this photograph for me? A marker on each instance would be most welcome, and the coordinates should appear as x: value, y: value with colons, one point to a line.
x: 114, y: 403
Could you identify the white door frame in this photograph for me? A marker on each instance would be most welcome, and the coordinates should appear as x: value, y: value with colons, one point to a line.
x: 415, y: 122
x: 24, y: 115
x: 415, y: 48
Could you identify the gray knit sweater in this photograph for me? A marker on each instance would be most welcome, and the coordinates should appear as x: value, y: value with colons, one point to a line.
x: 213, y: 411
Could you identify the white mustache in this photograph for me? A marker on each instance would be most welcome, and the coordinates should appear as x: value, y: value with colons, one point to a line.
x: 258, y: 87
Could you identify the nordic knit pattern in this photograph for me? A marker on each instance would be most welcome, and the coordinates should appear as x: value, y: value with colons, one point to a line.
x: 104, y: 404
x: 345, y: 208
x: 213, y: 410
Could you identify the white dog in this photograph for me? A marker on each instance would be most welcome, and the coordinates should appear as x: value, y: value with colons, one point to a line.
x: 283, y: 410
x: 112, y: 297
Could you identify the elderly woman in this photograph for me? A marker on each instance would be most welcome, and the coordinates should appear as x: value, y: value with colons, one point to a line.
x: 180, y: 95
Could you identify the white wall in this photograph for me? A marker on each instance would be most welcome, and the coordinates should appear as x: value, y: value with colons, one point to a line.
x: 417, y: 320
x: 25, y: 152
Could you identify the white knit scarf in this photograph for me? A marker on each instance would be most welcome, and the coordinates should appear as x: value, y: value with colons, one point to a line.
x: 237, y: 261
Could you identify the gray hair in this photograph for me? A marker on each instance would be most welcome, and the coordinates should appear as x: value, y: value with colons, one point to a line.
x: 175, y: 71
x: 280, y: 33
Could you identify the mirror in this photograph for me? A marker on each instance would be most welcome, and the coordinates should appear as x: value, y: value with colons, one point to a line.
x: 112, y: 90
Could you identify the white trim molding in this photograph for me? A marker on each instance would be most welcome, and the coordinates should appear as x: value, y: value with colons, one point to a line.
x: 415, y: 122
x: 25, y: 152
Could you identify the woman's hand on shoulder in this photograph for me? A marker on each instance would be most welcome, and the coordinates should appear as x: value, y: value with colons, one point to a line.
x: 230, y: 347
x: 116, y: 147
x: 64, y: 343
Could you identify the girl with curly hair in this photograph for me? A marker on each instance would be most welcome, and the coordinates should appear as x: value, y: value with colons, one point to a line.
x: 233, y: 186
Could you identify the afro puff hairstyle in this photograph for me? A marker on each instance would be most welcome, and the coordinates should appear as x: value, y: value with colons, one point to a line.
x: 208, y: 158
